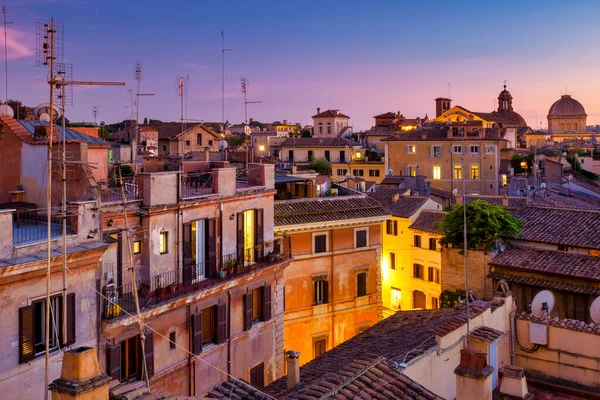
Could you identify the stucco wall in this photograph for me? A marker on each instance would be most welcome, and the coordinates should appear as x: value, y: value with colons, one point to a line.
x: 98, y: 159
x: 11, y: 156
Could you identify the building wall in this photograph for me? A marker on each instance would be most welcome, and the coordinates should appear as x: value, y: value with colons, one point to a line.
x: 345, y: 313
x: 374, y: 172
x: 453, y: 271
x: 98, y: 157
x: 301, y: 153
x: 569, y: 355
x: 11, y: 155
x: 488, y: 183
x: 337, y: 124
x: 208, y: 140
x: 560, y: 125
x: 34, y: 173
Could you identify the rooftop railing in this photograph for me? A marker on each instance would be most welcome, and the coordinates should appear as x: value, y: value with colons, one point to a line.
x: 110, y: 189
x: 196, y: 183
x: 30, y: 226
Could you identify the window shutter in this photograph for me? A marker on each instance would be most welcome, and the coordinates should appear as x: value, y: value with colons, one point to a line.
x: 406, y: 148
x: 431, y: 151
x: 240, y: 236
x: 71, y: 318
x: 247, y: 311
x: 149, y: 353
x: 211, y: 248
x: 197, y: 333
x: 259, y: 227
x: 113, y: 362
x: 266, y: 306
x: 221, y: 323
x: 325, y: 291
x: 188, y: 270
x: 26, y: 334
x: 395, y: 228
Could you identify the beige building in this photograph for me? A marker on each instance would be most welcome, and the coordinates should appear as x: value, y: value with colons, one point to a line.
x: 330, y: 123
x: 175, y: 139
x: 445, y: 154
x: 335, y: 150
x: 567, y: 119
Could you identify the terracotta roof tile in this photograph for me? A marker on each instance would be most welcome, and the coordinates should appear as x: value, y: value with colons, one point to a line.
x: 326, y: 209
x: 565, y: 323
x: 486, y: 334
x: 428, y: 221
x: 403, y: 207
x: 549, y: 261
x: 440, y: 133
x: 573, y: 227
x: 329, y: 114
x: 546, y: 283
x: 513, y: 202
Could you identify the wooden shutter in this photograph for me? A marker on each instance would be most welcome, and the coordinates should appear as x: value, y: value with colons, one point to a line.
x: 266, y: 305
x: 325, y: 291
x: 221, y: 323
x: 259, y: 231
x: 26, y: 334
x: 188, y: 270
x: 211, y: 248
x: 395, y: 228
x: 240, y: 236
x: 149, y: 353
x: 113, y: 361
x: 247, y: 311
x: 71, y: 318
x: 197, y: 333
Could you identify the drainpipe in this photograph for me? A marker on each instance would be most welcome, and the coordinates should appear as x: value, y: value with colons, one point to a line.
x: 229, y: 333
x: 331, y: 286
x: 512, y: 334
x: 191, y: 360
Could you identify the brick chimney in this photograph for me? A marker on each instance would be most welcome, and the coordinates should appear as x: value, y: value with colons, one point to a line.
x: 473, y: 376
x: 505, y: 201
x: 80, y: 377
x: 318, y: 110
x: 514, y: 383
x: 458, y: 198
x: 293, y: 368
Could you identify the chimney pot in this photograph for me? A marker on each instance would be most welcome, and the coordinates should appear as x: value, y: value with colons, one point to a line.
x: 318, y: 110
x: 514, y: 382
x: 473, y: 376
x: 395, y: 197
x: 293, y: 368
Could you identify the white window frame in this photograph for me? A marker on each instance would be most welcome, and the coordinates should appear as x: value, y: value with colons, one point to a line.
x: 411, y: 149
x: 327, y: 250
x: 433, y: 147
x: 361, y: 229
x: 490, y: 147
x: 439, y: 169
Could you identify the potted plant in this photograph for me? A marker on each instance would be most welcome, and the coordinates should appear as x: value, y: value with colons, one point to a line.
x: 222, y: 273
x: 231, y: 263
x: 270, y: 256
x: 173, y: 287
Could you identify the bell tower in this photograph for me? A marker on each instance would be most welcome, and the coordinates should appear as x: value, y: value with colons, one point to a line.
x: 504, y: 101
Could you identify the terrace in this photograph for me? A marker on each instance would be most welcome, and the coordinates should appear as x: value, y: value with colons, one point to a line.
x: 30, y: 224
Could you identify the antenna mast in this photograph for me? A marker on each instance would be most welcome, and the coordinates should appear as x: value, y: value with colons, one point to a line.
x: 5, y: 55
x: 247, y: 141
x: 181, y: 91
x: 223, y: 50
x: 138, y: 78
x: 465, y: 247
x: 95, y: 111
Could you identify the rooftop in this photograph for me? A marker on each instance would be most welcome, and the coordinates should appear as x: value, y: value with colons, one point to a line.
x: 549, y: 262
x: 330, y: 114
x: 399, y: 206
x: 552, y: 284
x: 572, y: 227
x: 513, y: 202
x: 326, y: 209
x: 565, y: 323
x: 170, y: 130
x: 428, y: 221
x: 440, y: 133
x: 318, y: 142
x: 70, y: 134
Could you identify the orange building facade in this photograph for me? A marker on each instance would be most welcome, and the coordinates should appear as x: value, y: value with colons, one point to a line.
x: 333, y: 285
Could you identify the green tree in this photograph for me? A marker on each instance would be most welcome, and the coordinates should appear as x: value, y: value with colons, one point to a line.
x: 486, y: 222
x: 305, y: 133
x: 321, y: 165
x: 515, y: 162
x: 235, y: 140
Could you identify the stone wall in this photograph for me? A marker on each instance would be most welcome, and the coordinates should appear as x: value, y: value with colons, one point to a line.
x: 453, y: 275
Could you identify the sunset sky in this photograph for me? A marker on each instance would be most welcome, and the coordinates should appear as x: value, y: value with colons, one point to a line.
x: 362, y: 57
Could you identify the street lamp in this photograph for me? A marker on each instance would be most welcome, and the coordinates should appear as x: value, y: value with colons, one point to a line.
x: 524, y: 166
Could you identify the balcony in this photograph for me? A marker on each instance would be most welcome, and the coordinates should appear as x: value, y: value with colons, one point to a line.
x: 29, y: 224
x: 112, y: 190
x: 170, y: 285
x: 196, y: 184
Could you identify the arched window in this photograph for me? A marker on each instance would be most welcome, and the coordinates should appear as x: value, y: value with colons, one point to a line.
x: 568, y: 126
x: 329, y: 128
x: 562, y: 127
x: 419, y: 300
x: 575, y: 126
x: 320, y: 128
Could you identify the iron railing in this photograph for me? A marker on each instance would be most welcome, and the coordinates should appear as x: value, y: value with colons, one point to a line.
x: 196, y: 183
x: 173, y: 284
x: 110, y: 190
x: 32, y: 226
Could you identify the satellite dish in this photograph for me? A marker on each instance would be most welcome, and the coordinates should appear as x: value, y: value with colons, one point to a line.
x: 223, y: 145
x: 455, y: 191
x: 44, y: 117
x: 44, y: 108
x: 595, y: 310
x: 543, y: 185
x: 5, y: 109
x: 542, y: 304
x: 390, y: 171
x: 502, y: 247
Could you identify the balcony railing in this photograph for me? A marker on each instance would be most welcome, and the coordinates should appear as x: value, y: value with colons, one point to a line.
x: 110, y: 190
x: 200, y: 276
x: 196, y: 183
x: 31, y: 226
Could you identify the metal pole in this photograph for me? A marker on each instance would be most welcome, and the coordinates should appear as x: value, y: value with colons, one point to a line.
x: 63, y: 212
x: 5, y: 56
x: 223, y: 79
x: 465, y: 247
x: 49, y: 203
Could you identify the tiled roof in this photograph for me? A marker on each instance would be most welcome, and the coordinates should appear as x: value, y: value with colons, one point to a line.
x: 388, y: 114
x: 546, y: 283
x: 403, y: 207
x: 560, y: 226
x: 398, y: 338
x: 460, y: 317
x: 232, y: 390
x: 549, y: 262
x: 440, y: 133
x: 71, y: 134
x: 326, y: 209
x: 440, y: 193
x: 383, y: 130
x: 364, y: 378
x: 428, y: 221
x: 572, y: 324
x: 486, y: 334
x: 329, y: 114
x: 513, y: 202
x: 170, y: 130
x: 393, y: 180
x: 318, y: 142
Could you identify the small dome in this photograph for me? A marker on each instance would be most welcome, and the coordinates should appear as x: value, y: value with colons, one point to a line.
x: 566, y: 107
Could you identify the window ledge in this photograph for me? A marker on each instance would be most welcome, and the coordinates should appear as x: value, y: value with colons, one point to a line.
x: 362, y: 300
x: 320, y: 308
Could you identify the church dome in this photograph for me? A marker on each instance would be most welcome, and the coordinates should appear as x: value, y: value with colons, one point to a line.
x: 566, y: 107
x: 505, y: 108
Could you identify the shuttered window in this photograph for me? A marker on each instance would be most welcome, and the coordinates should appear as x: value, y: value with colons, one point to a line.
x: 259, y: 236
x: 319, y: 346
x: 196, y: 333
x: 320, y: 291
x: 149, y: 354
x: 247, y: 311
x: 125, y: 361
x: 266, y: 303
x: 221, y: 323
x: 257, y: 376
x: 361, y: 284
x: 257, y: 306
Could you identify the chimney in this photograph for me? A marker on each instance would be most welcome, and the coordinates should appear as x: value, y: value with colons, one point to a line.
x: 293, y: 368
x: 285, y: 121
x: 514, y: 382
x: 458, y: 198
x: 473, y: 376
x: 318, y: 110
x: 337, y: 112
x: 395, y: 197
x: 251, y: 119
x: 80, y: 377
x: 207, y: 153
x: 505, y: 201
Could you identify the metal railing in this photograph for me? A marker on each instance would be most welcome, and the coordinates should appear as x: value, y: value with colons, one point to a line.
x: 200, y: 276
x: 196, y: 183
x: 31, y: 226
x: 110, y: 190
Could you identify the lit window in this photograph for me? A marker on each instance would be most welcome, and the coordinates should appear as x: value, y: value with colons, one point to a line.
x: 562, y: 127
x: 437, y: 172
x: 504, y: 180
x: 137, y: 247
x: 411, y: 149
x: 458, y: 172
x: 396, y: 298
x: 569, y: 126
x: 261, y: 147
x: 411, y: 170
x: 474, y: 172
x: 357, y: 155
x: 163, y: 244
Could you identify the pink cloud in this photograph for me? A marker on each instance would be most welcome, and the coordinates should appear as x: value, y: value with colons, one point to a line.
x: 19, y: 44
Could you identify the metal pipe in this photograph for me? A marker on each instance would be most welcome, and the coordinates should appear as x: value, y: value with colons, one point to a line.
x: 465, y: 247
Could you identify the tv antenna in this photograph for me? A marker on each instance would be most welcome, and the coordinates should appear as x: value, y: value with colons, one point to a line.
x: 246, y: 127
x: 138, y: 78
x: 542, y: 304
x: 95, y: 111
x: 223, y: 50
x: 5, y: 55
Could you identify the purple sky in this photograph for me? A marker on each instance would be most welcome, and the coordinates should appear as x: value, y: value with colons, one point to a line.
x: 363, y: 58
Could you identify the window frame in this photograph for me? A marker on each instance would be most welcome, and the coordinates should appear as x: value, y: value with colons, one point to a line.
x: 489, y: 147
x: 172, y: 340
x: 137, y: 243
x: 457, y: 171
x: 477, y: 169
x: 433, y: 151
x: 358, y: 172
x: 319, y: 339
x: 314, y: 247
x: 418, y: 271
x: 55, y: 330
x: 257, y: 305
x: 198, y: 139
x: 356, y: 231
x: 399, y: 292
x: 188, y: 143
x: 437, y: 176
x: 342, y: 171
x: 433, y: 241
x: 410, y: 168
x: 411, y: 149
x: 474, y: 149
x: 320, y: 291
x: 455, y: 147
x: 208, y: 340
x: 163, y: 245
x: 393, y: 260
x: 362, y: 285
x: 417, y: 241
